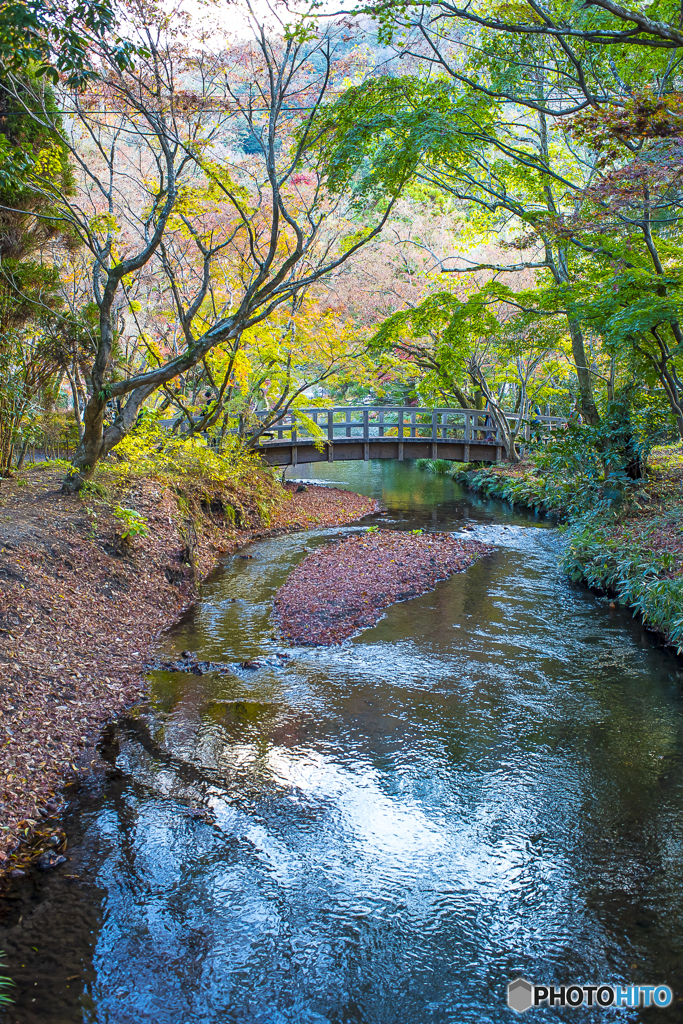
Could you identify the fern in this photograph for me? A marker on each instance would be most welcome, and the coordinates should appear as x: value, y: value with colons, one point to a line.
x: 5, y: 983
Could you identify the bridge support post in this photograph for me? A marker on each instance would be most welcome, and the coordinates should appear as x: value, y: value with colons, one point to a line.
x: 294, y: 455
x: 498, y: 453
x: 400, y: 451
x: 366, y: 452
x: 466, y: 453
x: 330, y: 452
x: 433, y: 446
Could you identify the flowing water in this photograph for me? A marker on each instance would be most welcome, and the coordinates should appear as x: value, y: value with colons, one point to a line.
x: 488, y: 783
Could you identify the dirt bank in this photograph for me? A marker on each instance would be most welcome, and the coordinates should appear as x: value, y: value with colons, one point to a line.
x: 79, y: 615
x: 344, y: 587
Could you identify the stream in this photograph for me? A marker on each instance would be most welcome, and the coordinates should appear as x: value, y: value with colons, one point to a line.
x: 489, y: 783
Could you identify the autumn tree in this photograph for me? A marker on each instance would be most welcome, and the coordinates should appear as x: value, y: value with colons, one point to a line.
x: 631, y: 222
x: 593, y: 26
x: 29, y: 284
x: 201, y: 162
x: 53, y: 37
x: 520, y: 171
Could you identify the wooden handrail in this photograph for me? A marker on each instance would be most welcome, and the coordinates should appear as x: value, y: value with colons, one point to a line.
x: 391, y: 422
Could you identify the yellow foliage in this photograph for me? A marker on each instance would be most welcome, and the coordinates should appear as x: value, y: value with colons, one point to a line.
x: 241, y: 369
x: 104, y: 222
x: 48, y: 163
x: 149, y: 450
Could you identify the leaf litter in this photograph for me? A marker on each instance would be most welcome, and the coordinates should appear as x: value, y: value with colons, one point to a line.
x: 345, y: 587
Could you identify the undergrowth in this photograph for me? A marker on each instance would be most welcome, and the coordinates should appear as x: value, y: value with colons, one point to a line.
x: 5, y: 984
x: 648, y: 581
x: 231, y: 477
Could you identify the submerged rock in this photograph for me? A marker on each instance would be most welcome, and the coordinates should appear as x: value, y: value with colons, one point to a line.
x: 189, y: 663
x: 49, y: 860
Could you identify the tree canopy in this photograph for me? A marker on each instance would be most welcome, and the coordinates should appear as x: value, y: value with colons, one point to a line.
x: 415, y: 203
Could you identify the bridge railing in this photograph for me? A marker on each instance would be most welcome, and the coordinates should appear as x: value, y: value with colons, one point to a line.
x: 367, y: 422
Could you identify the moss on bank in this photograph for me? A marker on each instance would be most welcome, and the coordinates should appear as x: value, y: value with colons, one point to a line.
x: 628, y: 544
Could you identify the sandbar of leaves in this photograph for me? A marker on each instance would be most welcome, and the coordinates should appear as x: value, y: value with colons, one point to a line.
x: 344, y: 587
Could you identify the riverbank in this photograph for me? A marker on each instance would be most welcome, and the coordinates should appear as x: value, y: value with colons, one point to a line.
x: 81, y: 608
x: 371, y: 573
x: 627, y: 544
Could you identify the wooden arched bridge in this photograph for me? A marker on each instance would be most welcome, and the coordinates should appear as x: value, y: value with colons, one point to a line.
x: 363, y: 432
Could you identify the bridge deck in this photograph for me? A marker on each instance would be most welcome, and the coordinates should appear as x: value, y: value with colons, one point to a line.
x: 285, y: 453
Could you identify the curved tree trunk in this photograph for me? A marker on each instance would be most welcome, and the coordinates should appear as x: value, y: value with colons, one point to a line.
x: 495, y: 410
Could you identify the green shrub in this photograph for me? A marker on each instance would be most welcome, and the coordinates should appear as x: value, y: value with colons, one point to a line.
x: 638, y: 578
x: 134, y: 523
x: 149, y: 450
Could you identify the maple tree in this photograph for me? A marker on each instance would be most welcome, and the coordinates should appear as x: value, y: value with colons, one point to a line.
x: 504, y: 172
x: 630, y: 221
x: 519, y: 128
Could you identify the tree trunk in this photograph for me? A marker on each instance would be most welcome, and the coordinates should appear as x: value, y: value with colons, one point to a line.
x: 75, y: 396
x: 494, y: 410
x: 91, y: 448
x: 465, y: 402
x: 589, y: 409
x: 22, y: 455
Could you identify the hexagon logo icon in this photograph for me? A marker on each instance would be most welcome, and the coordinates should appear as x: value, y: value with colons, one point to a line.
x: 520, y: 995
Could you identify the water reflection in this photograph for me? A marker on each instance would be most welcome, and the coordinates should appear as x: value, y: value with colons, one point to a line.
x: 487, y: 783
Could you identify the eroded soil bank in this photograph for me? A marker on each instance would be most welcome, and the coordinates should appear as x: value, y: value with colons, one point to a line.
x: 344, y: 587
x: 78, y: 618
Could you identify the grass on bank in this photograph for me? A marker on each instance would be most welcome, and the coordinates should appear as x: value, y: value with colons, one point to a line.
x: 5, y: 984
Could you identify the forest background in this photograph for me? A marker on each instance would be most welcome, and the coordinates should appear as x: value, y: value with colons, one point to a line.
x: 218, y: 210
x: 405, y: 204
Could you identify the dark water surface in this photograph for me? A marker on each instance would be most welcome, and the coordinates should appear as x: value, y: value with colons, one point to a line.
x: 488, y: 783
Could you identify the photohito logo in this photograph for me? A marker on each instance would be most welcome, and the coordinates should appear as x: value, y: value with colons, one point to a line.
x: 523, y: 995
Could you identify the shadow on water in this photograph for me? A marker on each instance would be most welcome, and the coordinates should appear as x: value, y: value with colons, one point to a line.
x: 486, y: 784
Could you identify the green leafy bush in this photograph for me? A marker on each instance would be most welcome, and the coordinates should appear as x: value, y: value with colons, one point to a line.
x: 134, y: 523
x: 639, y: 579
x: 149, y: 450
